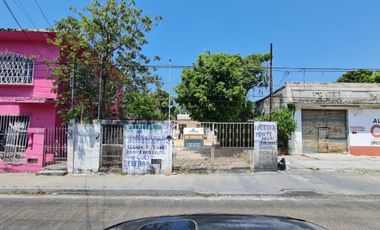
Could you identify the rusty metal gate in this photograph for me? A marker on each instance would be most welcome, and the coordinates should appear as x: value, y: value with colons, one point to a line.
x: 324, y: 131
x: 111, y: 147
x: 55, y: 145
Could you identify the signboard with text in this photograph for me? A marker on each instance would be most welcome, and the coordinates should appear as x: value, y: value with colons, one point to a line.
x: 146, y: 147
x: 265, y: 135
x: 193, y: 137
x: 265, y: 141
x: 364, y: 131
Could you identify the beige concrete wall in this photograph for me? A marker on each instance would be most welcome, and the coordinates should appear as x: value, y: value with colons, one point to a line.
x: 83, y: 147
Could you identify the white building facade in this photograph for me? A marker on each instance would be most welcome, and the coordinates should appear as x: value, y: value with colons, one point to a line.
x: 331, y: 117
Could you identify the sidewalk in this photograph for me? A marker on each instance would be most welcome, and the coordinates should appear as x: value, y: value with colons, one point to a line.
x: 280, y: 183
x: 307, y: 174
x: 332, y: 163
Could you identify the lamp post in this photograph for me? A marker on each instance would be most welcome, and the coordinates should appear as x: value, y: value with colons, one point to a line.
x: 170, y: 86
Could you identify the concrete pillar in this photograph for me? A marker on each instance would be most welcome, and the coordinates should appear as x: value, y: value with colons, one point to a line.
x: 295, y: 142
x: 86, y: 147
x: 70, y: 147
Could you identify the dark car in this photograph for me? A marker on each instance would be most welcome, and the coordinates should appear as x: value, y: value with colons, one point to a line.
x: 215, y: 222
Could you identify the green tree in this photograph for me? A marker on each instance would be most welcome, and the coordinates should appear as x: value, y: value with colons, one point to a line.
x: 141, y: 105
x: 216, y: 88
x: 101, y: 46
x: 163, y: 102
x: 147, y: 105
x: 360, y: 76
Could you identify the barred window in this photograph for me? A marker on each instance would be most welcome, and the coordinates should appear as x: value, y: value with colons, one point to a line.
x: 13, y: 138
x: 15, y: 69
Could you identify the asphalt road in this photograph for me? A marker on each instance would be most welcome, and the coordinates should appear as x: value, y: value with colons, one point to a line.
x: 89, y: 212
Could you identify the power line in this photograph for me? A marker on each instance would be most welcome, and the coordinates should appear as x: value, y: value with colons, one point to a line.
x: 24, y: 12
x: 281, y: 68
x: 42, y: 12
x: 18, y: 23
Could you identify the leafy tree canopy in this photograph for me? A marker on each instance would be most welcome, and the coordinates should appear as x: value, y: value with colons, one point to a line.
x: 147, y: 105
x: 216, y: 88
x: 360, y: 76
x: 102, y: 40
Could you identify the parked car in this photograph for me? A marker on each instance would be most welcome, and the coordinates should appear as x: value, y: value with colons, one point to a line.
x: 215, y: 221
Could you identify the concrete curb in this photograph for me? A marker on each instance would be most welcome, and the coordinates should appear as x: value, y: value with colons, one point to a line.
x: 291, y: 194
x: 96, y: 192
x: 167, y: 193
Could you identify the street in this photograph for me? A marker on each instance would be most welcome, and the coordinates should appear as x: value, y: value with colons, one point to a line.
x: 97, y: 212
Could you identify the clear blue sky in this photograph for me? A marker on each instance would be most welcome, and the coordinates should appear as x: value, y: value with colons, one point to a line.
x: 312, y: 33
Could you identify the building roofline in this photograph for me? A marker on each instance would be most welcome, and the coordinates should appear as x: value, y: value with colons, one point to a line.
x: 322, y: 84
x: 277, y: 90
x: 27, y: 30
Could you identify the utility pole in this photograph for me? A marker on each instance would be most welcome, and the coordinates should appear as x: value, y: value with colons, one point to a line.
x: 270, y: 82
x: 170, y: 86
x: 72, y: 76
x: 100, y: 101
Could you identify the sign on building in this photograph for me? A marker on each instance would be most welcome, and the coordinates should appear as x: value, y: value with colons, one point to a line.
x: 265, y: 140
x: 147, y: 147
x: 193, y: 137
x: 364, y: 131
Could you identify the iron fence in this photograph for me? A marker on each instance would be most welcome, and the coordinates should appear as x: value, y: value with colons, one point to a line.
x: 13, y: 138
x: 230, y: 134
x: 111, y: 146
x: 226, y: 147
x: 55, y: 145
x: 15, y: 145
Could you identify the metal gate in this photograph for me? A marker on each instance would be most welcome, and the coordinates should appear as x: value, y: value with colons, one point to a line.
x: 226, y: 147
x: 16, y: 144
x: 230, y: 134
x: 111, y: 147
x: 55, y: 145
x: 13, y: 138
x: 324, y: 131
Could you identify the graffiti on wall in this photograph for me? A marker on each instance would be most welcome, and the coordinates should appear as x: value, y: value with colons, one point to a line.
x: 265, y: 136
x: 265, y: 139
x: 146, y: 146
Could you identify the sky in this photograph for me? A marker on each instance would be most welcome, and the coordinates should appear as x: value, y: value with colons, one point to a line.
x: 305, y: 34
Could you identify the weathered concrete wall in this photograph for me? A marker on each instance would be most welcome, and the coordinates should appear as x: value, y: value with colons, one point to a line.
x: 83, y: 147
x: 147, y: 147
x: 334, y: 93
x: 279, y: 100
x: 363, y: 95
x: 265, y: 153
x: 295, y: 142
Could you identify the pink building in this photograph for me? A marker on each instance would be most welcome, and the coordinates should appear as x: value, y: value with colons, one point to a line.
x: 26, y: 100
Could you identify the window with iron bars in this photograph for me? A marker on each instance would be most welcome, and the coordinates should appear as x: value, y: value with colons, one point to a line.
x: 15, y: 69
x: 13, y: 138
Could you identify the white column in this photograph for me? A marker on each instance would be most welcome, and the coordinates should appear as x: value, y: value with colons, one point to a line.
x: 87, y: 147
x: 70, y: 147
x: 295, y: 142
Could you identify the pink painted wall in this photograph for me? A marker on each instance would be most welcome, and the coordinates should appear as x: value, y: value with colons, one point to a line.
x: 42, y: 86
x: 41, y: 115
